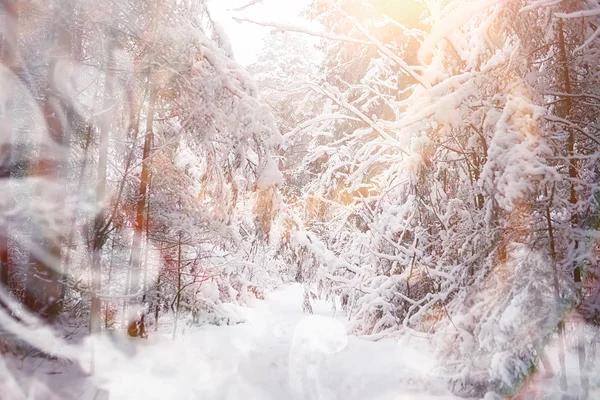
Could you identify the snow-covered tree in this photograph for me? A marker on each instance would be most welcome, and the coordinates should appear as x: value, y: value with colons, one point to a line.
x: 155, y: 140
x: 460, y: 179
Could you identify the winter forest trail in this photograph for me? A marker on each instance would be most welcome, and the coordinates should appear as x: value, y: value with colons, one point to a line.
x: 278, y: 352
x: 436, y: 164
x: 282, y: 353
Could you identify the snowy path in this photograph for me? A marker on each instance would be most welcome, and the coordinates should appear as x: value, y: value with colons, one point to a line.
x: 281, y: 353
x: 278, y: 353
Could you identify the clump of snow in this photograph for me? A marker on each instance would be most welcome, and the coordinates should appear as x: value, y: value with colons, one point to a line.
x: 210, y: 290
x: 270, y: 175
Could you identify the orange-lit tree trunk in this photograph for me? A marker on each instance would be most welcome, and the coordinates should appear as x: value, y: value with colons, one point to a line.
x: 138, y: 329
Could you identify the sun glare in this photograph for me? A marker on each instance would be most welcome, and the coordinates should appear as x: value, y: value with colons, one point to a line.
x: 409, y: 13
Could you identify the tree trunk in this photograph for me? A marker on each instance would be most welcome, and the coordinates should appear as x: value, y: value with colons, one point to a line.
x: 145, y: 281
x: 561, y: 324
x: 100, y: 220
x: 141, y: 205
x: 178, y: 287
x: 44, y: 286
x: 567, y: 111
x: 110, y: 266
x: 157, y: 305
x: 10, y: 59
x: 546, y: 363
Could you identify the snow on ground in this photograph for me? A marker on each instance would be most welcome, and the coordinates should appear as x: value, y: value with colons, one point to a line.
x: 277, y: 353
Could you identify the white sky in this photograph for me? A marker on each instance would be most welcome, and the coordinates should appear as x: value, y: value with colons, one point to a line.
x: 247, y: 39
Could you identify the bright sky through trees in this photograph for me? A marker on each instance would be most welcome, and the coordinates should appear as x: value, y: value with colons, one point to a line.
x: 247, y: 39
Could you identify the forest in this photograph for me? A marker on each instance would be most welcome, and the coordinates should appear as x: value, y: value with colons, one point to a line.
x: 387, y: 199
